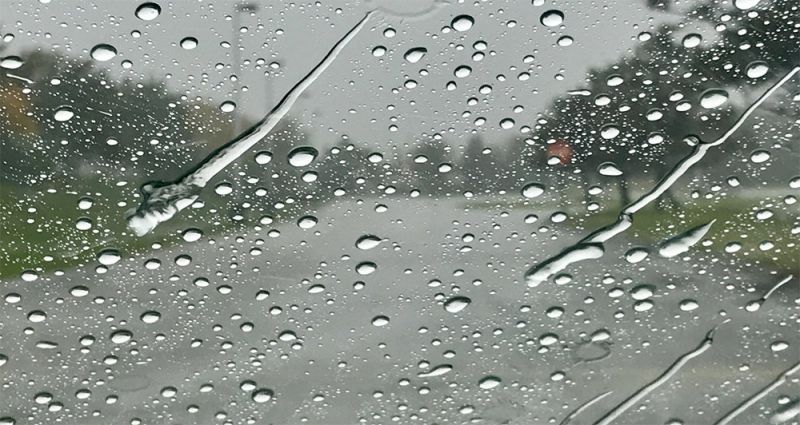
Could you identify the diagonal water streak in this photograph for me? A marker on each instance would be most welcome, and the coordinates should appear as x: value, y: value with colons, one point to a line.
x: 535, y: 275
x: 614, y: 413
x: 783, y: 377
x: 162, y: 200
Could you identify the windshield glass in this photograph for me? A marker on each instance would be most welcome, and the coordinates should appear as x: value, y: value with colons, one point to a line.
x: 399, y: 211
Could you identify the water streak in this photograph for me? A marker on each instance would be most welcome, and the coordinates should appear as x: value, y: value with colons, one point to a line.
x: 756, y: 304
x: 636, y: 397
x: 162, y: 200
x: 759, y: 395
x: 625, y: 217
x: 583, y: 407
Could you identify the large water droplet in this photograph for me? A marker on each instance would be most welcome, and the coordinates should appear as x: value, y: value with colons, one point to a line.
x: 745, y: 4
x: 108, y: 257
x: 368, y: 242
x: 366, y: 268
x: 262, y: 395
x: 609, y: 131
x: 227, y: 106
x: 456, y: 304
x: 609, y: 169
x: 462, y: 22
x: 63, y: 113
x: 757, y: 69
x: 11, y: 62
x: 380, y: 321
x: 148, y: 11
x: 489, y: 382
x: 414, y: 55
x: 692, y: 40
x: 121, y: 336
x: 103, y: 52
x: 713, y: 98
x: 552, y: 18
x: 532, y: 190
x: 189, y: 43
x: 302, y: 156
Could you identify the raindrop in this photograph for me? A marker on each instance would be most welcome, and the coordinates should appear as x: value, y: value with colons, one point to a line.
x: 609, y: 131
x: 759, y: 156
x: 368, y: 242
x: 462, y: 23
x: 11, y: 62
x: 635, y: 255
x: 307, y: 222
x: 436, y: 371
x: 192, y: 235
x: 103, y: 52
x: 609, y: 169
x: 692, y: 40
x: 489, y: 382
x: 415, y: 55
x: 63, y: 113
x: 366, y: 268
x: 227, y: 106
x: 223, y: 189
x: 302, y: 156
x: 263, y: 157
x: 189, y: 43
x: 456, y: 304
x: 150, y: 317
x: 380, y: 321
x: 108, y: 257
x: 552, y: 18
x: 262, y: 395
x: 757, y: 69
x: 148, y: 11
x: 462, y: 71
x: 713, y: 98
x: 378, y: 51
x: 745, y: 4
x: 121, y: 336
x: 532, y: 190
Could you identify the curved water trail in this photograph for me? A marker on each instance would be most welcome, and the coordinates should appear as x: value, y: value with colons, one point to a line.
x: 756, y: 304
x: 162, y: 200
x: 614, y: 413
x: 572, y: 415
x: 783, y: 377
x: 535, y: 275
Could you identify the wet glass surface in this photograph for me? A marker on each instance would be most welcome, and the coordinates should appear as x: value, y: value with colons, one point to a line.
x: 421, y: 211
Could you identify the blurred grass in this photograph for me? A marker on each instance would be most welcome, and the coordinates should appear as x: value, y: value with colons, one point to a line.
x: 735, y: 216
